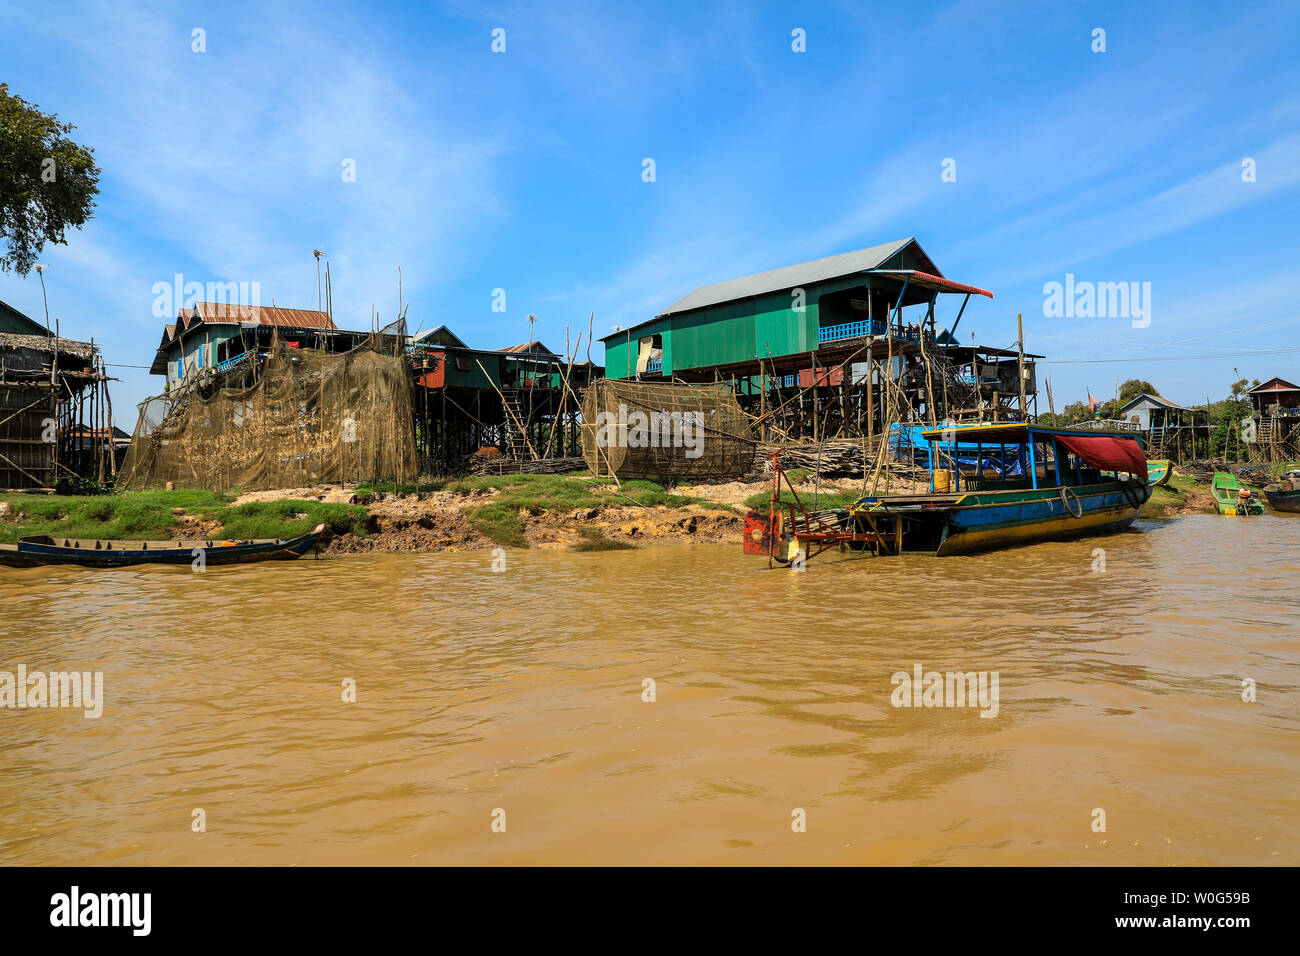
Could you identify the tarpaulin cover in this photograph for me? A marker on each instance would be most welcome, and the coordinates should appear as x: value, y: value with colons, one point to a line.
x: 1012, y: 467
x: 905, y: 438
x: 909, y: 442
x: 1107, y: 454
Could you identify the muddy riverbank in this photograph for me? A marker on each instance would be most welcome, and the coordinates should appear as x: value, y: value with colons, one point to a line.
x: 466, y: 514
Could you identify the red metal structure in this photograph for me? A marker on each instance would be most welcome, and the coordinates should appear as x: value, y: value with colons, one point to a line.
x: 789, y: 532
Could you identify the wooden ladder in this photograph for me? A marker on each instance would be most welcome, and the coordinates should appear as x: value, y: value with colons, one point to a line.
x: 516, y: 442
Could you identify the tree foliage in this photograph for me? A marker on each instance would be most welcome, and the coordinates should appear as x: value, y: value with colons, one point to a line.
x: 47, y: 181
x: 1133, y: 388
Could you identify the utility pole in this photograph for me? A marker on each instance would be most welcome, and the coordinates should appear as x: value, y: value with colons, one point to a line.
x: 1020, y: 362
x: 319, y: 254
x: 54, y: 380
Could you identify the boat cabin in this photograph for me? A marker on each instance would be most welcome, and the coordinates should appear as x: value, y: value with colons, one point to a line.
x: 1014, y: 455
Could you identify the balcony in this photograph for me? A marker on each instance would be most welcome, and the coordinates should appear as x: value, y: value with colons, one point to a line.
x: 230, y: 363
x: 850, y: 330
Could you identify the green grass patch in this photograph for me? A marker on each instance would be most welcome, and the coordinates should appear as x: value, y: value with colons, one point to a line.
x: 502, y: 521
x: 287, y: 519
x: 593, y: 539
x: 1165, y: 499
x: 499, y: 523
x: 149, y: 515
x: 138, y: 514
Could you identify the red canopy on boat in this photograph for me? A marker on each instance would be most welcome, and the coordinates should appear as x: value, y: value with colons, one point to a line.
x: 1108, y: 454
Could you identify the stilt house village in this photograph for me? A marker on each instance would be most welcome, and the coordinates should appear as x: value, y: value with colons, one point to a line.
x: 841, y: 362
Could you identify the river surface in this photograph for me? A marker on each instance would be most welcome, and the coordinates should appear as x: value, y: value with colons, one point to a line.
x: 515, y: 700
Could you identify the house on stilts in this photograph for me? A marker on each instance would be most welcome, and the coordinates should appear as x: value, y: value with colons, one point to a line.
x: 841, y: 346
x: 55, y: 413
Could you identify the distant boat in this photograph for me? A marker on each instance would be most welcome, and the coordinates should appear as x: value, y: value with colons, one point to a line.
x: 1232, y: 499
x: 1028, y: 483
x: 43, y: 549
x: 1158, y: 471
x: 1285, y: 495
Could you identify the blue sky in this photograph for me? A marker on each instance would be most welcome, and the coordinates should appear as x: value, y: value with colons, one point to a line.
x: 522, y: 170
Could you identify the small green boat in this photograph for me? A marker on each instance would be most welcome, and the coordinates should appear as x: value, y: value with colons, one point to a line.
x: 1158, y: 470
x: 1232, y: 499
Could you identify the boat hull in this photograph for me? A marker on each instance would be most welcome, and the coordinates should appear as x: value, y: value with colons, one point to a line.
x: 988, y: 520
x: 1158, y: 471
x: 1288, y: 501
x: 987, y: 525
x: 29, y: 553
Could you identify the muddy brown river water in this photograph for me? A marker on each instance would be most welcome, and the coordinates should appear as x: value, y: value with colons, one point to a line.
x: 516, y: 699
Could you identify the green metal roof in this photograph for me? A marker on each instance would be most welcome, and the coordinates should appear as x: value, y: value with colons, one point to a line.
x: 790, y: 277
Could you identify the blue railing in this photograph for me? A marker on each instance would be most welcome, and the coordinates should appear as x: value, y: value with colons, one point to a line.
x: 850, y: 330
x: 655, y: 365
x: 856, y: 330
x: 231, y: 362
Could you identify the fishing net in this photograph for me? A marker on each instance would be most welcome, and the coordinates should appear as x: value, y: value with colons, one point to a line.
x: 311, y: 417
x: 660, y: 431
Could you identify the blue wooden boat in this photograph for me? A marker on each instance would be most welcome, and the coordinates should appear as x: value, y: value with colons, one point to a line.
x: 1028, y: 484
x: 1158, y: 470
x: 43, y: 549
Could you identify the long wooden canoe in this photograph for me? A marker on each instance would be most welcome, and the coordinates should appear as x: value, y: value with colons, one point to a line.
x: 43, y: 549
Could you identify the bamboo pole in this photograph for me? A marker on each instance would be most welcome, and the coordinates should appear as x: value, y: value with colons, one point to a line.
x: 929, y: 383
x: 871, y: 397
x: 798, y: 393
x: 564, y: 391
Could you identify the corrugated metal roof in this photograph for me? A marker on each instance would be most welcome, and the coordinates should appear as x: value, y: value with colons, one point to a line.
x: 1282, y: 386
x: 790, y: 277
x: 535, y: 348
x: 927, y: 281
x: 1155, y: 398
x: 295, y: 318
x: 226, y: 312
x: 443, y: 336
